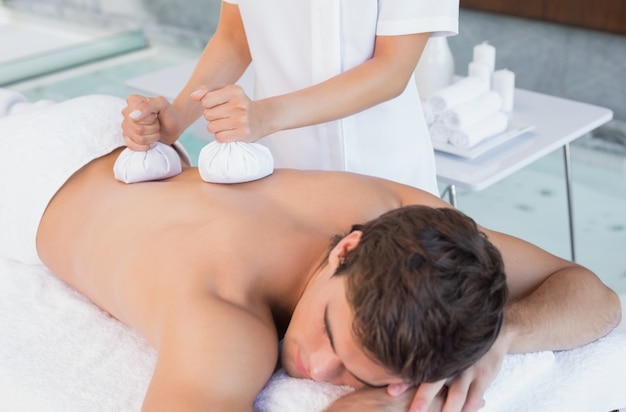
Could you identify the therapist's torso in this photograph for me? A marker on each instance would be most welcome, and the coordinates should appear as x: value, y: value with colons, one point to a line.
x: 297, y: 43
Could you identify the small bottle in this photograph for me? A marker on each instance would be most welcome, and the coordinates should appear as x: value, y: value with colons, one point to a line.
x: 435, y: 69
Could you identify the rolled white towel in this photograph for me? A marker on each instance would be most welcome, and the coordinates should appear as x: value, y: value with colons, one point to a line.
x: 8, y: 99
x: 473, y: 111
x: 462, y: 91
x: 429, y: 115
x: 159, y: 162
x: 234, y: 162
x: 478, y: 132
x: 439, y: 132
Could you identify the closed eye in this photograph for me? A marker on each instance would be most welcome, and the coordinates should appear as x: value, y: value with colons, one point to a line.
x: 329, y: 334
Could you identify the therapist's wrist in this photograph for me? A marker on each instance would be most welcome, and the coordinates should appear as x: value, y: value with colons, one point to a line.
x: 268, y: 115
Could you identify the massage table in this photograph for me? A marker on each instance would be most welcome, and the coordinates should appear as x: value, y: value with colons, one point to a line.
x: 60, y: 352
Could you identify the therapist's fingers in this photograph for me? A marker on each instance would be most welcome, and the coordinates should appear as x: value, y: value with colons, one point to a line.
x: 143, y: 141
x: 141, y: 126
x: 136, y: 105
x: 199, y: 93
x: 143, y: 109
x: 229, y: 113
x: 231, y: 95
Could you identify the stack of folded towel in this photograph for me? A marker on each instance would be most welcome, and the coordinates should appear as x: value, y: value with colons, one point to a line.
x: 471, y: 110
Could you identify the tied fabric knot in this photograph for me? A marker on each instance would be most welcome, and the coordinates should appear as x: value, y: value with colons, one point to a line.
x: 234, y: 162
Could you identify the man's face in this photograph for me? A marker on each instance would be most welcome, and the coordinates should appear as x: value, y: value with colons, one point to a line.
x: 319, y: 343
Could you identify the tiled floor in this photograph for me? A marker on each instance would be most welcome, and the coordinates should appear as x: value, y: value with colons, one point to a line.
x: 529, y: 204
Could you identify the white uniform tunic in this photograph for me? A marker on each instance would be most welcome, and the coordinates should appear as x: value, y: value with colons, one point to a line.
x: 298, y: 43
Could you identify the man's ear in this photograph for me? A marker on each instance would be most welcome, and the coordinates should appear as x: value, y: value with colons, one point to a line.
x: 345, y: 245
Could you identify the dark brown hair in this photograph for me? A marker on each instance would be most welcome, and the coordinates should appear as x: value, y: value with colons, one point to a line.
x: 428, y: 292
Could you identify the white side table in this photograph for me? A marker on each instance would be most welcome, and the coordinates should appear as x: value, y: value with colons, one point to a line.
x: 557, y: 122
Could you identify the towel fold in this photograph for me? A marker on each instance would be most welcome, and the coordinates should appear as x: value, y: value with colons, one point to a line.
x: 467, y: 114
x: 479, y: 132
x: 286, y: 394
x: 8, y: 99
x: 523, y: 369
x: 27, y: 106
x: 234, y: 162
x: 464, y: 90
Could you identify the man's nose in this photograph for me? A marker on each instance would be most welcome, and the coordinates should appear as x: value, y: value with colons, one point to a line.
x: 325, y: 366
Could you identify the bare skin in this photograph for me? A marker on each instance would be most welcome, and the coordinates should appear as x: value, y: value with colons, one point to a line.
x: 213, y: 275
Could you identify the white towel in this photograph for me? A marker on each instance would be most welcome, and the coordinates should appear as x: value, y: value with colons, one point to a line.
x: 8, y: 99
x: 591, y: 378
x: 468, y: 88
x: 234, y: 162
x: 47, y: 154
x: 524, y: 370
x: 12, y: 102
x: 429, y: 115
x: 439, y: 132
x: 29, y: 106
x: 286, y: 394
x: 479, y: 132
x: 473, y: 111
x: 59, y: 352
x: 517, y: 374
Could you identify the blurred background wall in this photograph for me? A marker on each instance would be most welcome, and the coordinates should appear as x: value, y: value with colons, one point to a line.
x: 562, y: 60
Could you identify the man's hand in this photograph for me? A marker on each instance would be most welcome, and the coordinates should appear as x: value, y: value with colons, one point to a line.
x: 376, y: 399
x: 466, y: 390
x: 149, y: 120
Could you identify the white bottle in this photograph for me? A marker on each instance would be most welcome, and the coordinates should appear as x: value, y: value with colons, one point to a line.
x: 435, y: 69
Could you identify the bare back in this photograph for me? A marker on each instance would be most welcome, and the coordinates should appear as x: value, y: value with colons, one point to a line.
x: 140, y: 250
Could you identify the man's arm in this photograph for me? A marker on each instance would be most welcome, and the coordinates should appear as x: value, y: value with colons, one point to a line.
x: 554, y: 304
x: 370, y: 399
x: 213, y: 356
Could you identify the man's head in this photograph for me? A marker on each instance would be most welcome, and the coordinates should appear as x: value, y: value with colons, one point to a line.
x: 427, y: 290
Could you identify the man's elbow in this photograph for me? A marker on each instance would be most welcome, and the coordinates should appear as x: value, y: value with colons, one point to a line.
x: 617, y: 310
x: 613, y: 310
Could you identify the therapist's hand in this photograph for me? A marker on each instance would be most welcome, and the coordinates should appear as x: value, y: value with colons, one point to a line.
x: 231, y: 114
x: 149, y: 120
x: 466, y: 390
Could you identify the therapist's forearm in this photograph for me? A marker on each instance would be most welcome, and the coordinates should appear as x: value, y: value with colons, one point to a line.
x: 569, y: 309
x: 377, y: 80
x: 223, y: 61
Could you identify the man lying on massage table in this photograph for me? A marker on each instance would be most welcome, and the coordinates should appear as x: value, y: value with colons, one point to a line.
x: 214, y: 276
